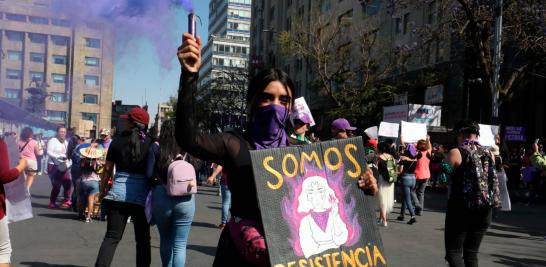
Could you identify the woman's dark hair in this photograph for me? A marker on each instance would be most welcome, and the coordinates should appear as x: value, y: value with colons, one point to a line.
x: 467, y: 127
x: 260, y: 81
x: 384, y: 147
x: 26, y: 133
x: 422, y: 145
x: 61, y: 127
x: 168, y: 148
x: 137, y: 132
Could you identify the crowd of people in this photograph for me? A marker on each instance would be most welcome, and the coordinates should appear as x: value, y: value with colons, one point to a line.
x: 152, y: 180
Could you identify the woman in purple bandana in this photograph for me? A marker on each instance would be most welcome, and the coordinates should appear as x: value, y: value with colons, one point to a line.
x: 269, y: 100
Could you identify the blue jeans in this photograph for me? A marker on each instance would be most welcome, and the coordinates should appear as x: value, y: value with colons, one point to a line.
x: 408, y: 184
x: 173, y: 216
x: 226, y: 203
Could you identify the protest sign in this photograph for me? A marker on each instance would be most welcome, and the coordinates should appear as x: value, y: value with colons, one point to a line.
x: 387, y: 129
x: 372, y: 132
x: 395, y: 114
x: 313, y: 212
x: 487, y: 134
x: 512, y: 133
x: 18, y: 204
x: 429, y: 115
x: 301, y: 109
x: 413, y: 132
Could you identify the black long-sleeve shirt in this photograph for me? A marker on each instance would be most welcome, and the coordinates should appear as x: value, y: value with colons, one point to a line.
x: 228, y: 149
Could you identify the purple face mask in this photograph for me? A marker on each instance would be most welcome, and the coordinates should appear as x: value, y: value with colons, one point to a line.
x: 268, y: 128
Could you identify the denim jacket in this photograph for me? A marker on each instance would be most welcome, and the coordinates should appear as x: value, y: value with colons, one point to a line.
x: 130, y: 188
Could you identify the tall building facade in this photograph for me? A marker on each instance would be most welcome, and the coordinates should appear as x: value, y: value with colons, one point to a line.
x: 73, y: 62
x: 161, y: 116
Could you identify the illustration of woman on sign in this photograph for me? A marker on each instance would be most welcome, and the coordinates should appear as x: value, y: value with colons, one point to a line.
x: 322, y: 228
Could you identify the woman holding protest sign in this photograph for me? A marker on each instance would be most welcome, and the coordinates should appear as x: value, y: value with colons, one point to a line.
x: 269, y: 101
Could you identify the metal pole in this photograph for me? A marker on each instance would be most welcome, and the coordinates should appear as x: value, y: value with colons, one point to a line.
x: 496, y: 60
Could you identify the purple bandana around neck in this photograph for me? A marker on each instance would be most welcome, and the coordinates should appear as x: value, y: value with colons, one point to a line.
x: 469, y: 142
x: 412, y: 150
x: 268, y: 129
x: 321, y: 219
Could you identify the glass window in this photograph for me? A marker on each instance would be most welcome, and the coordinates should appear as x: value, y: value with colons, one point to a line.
x: 37, y: 38
x: 59, y: 59
x: 406, y: 21
x: 15, y: 55
x: 16, y: 17
x: 93, y: 43
x: 13, y: 74
x: 55, y: 115
x: 36, y: 76
x: 14, y: 36
x: 60, y: 22
x: 12, y: 93
x: 58, y: 78
x: 90, y: 99
x: 89, y: 117
x: 37, y: 57
x: 92, y: 61
x: 91, y: 80
x: 38, y: 20
x: 59, y: 40
x: 57, y: 97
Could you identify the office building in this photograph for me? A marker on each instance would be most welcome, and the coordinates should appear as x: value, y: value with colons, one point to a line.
x: 69, y: 64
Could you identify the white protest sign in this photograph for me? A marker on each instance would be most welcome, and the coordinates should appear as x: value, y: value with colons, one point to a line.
x: 413, y: 132
x: 301, y: 110
x: 18, y: 204
x: 388, y: 129
x: 487, y: 134
x: 395, y: 114
x: 371, y: 132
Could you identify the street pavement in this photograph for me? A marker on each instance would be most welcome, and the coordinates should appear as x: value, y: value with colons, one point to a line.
x: 56, y: 238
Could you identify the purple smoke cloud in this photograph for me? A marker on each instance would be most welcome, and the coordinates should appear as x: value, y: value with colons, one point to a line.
x: 132, y: 20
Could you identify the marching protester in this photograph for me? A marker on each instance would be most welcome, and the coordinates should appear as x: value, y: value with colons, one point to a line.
x: 473, y: 194
x: 127, y: 196
x: 506, y: 205
x: 58, y: 169
x: 225, y: 193
x: 341, y: 129
x: 172, y: 208
x: 270, y: 99
x: 387, y: 177
x: 406, y: 169
x: 30, y: 150
x: 422, y: 174
x: 40, y: 157
x: 89, y: 179
x: 105, y: 138
x: 75, y: 170
x: 302, y: 124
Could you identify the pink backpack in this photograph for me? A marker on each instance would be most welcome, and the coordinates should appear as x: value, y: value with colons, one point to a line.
x: 181, y: 180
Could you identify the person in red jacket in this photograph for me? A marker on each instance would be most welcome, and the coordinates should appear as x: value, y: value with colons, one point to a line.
x: 6, y: 175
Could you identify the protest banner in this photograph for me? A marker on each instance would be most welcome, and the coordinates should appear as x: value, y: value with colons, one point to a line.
x: 372, y: 132
x: 301, y: 109
x: 388, y: 129
x: 487, y: 134
x: 18, y: 203
x: 513, y: 133
x: 413, y: 132
x: 313, y: 212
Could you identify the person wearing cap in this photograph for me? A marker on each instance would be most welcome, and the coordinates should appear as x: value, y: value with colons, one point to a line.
x: 342, y: 129
x: 89, y: 178
x: 301, y: 123
x: 130, y: 187
x: 105, y: 138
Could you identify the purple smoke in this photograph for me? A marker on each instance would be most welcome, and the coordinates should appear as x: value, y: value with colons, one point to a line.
x: 153, y: 20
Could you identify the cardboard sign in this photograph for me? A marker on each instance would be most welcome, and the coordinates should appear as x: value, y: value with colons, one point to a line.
x: 413, y: 132
x: 387, y: 129
x: 429, y: 115
x: 301, y: 109
x: 372, y: 132
x: 395, y: 114
x: 313, y: 212
x: 487, y: 134
x: 512, y: 133
x: 18, y: 203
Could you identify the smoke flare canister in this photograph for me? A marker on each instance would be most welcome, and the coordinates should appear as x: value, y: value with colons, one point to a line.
x: 192, y: 24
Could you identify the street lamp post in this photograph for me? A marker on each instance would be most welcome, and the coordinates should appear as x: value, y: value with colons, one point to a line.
x: 497, y: 61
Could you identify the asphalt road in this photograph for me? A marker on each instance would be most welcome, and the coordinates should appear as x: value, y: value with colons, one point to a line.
x: 56, y: 238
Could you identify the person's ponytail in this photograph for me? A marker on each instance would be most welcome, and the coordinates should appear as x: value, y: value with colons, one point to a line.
x: 138, y: 136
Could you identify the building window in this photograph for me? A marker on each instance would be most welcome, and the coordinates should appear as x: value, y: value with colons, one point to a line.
x: 38, y: 20
x: 37, y: 38
x: 59, y: 59
x: 36, y: 76
x: 59, y: 40
x: 271, y: 13
x: 397, y: 25
x: 15, y: 55
x: 92, y: 61
x: 93, y: 43
x: 370, y: 8
x: 57, y: 97
x: 60, y: 22
x: 90, y: 99
x: 324, y: 5
x: 58, y: 78
x: 14, y: 36
x: 54, y: 115
x: 37, y: 57
x: 90, y: 117
x: 12, y: 93
x: 13, y: 74
x: 16, y: 17
x: 406, y: 21
x: 91, y: 80
x: 431, y: 11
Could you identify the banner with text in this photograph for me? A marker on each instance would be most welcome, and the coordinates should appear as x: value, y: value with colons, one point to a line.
x: 313, y: 212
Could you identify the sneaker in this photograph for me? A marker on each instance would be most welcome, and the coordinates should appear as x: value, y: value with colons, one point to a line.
x: 87, y: 220
x: 66, y: 204
x: 418, y: 213
x: 400, y: 218
x: 412, y: 221
x: 52, y: 205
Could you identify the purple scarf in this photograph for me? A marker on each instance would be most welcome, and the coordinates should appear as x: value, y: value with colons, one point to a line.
x: 411, y: 149
x: 321, y: 219
x: 268, y: 128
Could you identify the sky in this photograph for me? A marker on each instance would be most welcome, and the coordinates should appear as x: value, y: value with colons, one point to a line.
x: 138, y: 76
